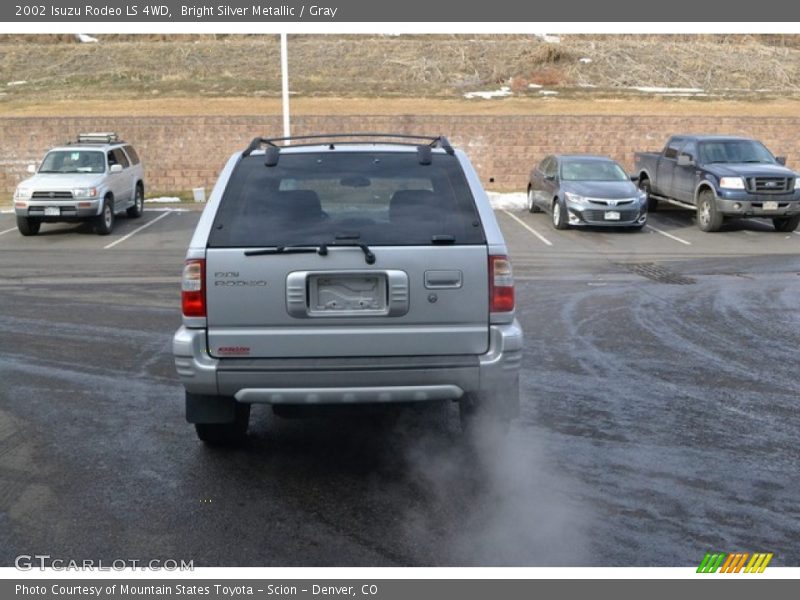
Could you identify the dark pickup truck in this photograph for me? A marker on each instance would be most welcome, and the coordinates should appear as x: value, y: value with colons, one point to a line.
x: 720, y: 177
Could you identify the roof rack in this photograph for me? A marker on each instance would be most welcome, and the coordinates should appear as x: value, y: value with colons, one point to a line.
x: 273, y: 146
x: 101, y: 137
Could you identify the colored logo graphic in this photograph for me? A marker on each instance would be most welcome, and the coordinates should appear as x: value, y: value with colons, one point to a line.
x: 735, y: 562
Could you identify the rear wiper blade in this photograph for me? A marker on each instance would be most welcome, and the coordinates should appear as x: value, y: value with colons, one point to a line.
x: 299, y: 249
x: 443, y: 239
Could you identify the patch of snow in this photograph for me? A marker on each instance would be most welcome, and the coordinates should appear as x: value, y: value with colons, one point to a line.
x: 21, y: 82
x: 508, y: 201
x: 534, y: 86
x: 163, y: 199
x: 86, y: 39
x: 550, y: 39
x: 548, y: 92
x: 586, y: 85
x: 501, y: 93
x: 585, y: 60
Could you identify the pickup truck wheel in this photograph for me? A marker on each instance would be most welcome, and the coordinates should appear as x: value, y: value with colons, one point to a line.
x: 559, y: 215
x: 479, y: 419
x: 135, y: 211
x: 531, y: 204
x: 652, y: 203
x: 786, y: 223
x: 104, y: 222
x: 28, y: 225
x: 226, y: 434
x: 708, y: 218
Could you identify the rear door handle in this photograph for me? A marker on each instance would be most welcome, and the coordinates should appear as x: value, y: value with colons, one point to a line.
x: 439, y: 280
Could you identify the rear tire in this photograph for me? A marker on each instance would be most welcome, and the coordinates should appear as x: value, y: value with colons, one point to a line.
x: 135, y: 211
x: 104, y: 222
x: 531, y: 204
x: 559, y: 215
x: 786, y: 224
x: 652, y: 203
x: 708, y: 218
x: 28, y: 225
x: 226, y: 434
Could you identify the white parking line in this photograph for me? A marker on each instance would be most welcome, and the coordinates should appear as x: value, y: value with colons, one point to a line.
x: 543, y: 239
x: 669, y: 235
x: 796, y: 232
x: 135, y: 231
x: 8, y: 230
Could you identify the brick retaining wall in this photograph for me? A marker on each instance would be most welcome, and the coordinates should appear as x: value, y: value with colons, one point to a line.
x: 185, y: 152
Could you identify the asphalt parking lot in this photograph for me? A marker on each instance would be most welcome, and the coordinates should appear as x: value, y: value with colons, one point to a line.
x: 659, y: 421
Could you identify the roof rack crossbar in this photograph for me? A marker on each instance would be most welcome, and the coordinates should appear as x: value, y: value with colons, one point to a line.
x: 433, y: 141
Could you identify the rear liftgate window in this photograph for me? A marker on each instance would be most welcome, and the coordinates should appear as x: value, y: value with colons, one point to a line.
x: 377, y: 198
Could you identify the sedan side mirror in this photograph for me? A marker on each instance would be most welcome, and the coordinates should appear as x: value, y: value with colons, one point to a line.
x: 781, y: 160
x: 684, y: 160
x: 115, y: 168
x: 31, y: 169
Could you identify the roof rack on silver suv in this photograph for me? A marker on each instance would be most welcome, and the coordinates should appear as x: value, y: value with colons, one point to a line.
x: 102, y: 137
x: 273, y: 148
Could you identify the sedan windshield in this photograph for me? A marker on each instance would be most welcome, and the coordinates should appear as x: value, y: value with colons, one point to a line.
x: 592, y: 170
x: 73, y: 161
x: 734, y: 151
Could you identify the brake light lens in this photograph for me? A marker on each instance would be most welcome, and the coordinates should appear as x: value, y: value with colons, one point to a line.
x: 193, y: 288
x: 501, y: 284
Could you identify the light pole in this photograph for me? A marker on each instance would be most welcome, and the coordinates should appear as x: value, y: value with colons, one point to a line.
x: 285, y: 85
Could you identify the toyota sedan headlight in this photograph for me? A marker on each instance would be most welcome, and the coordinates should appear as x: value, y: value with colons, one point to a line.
x: 84, y: 192
x: 797, y: 183
x: 731, y: 183
x: 576, y: 198
x: 23, y: 193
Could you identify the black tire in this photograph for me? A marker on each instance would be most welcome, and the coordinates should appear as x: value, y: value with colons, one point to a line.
x: 28, y: 225
x: 531, y: 204
x: 104, y: 222
x: 708, y: 218
x: 226, y: 434
x: 480, y: 420
x: 135, y: 211
x: 786, y: 224
x: 652, y: 203
x: 560, y: 218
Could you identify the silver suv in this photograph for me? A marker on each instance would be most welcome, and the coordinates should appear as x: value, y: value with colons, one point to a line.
x: 346, y: 269
x: 94, y: 179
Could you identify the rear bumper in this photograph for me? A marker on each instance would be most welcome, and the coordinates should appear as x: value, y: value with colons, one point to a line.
x: 355, y: 380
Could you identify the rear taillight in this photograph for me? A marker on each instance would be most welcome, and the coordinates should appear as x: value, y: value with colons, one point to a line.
x: 501, y: 284
x: 193, y: 288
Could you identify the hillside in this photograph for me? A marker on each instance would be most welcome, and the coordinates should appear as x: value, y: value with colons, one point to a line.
x: 520, y: 73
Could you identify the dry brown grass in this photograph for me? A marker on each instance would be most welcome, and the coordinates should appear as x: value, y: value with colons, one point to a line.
x: 148, y: 71
x: 400, y: 106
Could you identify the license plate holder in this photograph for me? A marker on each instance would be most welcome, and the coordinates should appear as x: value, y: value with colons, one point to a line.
x: 770, y: 205
x: 52, y: 211
x: 362, y: 294
x: 611, y: 215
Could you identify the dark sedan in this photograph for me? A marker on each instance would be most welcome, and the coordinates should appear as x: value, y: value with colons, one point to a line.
x: 580, y: 190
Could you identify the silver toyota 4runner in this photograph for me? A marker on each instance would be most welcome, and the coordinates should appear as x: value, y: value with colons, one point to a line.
x: 343, y: 271
x: 93, y: 179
